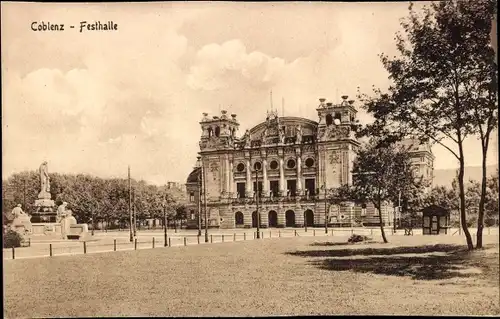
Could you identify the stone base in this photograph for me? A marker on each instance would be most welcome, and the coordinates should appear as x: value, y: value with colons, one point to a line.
x: 44, y: 217
x: 44, y: 203
x: 22, y: 226
x: 44, y: 211
x: 54, y: 231
x: 47, y: 229
x: 78, y: 231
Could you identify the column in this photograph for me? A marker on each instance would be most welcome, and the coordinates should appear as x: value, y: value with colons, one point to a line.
x: 249, y: 179
x: 282, y: 178
x: 231, y: 178
x: 299, y: 174
x: 226, y: 167
x: 265, y: 182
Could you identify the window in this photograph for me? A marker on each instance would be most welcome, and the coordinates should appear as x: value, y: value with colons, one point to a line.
x: 217, y: 131
x: 274, y: 185
x: 290, y: 163
x: 291, y: 186
x: 363, y: 210
x: 329, y: 119
x: 240, y: 167
x: 311, y: 186
x: 273, y: 165
x: 257, y: 166
x: 255, y: 187
x: 309, y: 162
x: 192, y: 214
x: 240, y: 188
x: 191, y: 197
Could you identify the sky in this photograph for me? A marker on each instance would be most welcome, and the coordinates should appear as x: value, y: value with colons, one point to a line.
x: 95, y: 102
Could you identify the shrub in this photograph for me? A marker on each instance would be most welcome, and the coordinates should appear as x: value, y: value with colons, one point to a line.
x: 12, y: 239
x: 357, y: 238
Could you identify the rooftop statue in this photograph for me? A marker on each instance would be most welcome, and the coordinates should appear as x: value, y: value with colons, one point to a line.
x: 44, y: 181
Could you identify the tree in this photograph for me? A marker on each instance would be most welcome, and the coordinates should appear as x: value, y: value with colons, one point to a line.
x: 481, y: 85
x: 491, y: 202
x: 91, y: 198
x: 438, y: 80
x: 380, y: 173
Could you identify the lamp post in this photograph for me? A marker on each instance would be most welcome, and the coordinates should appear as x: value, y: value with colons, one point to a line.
x: 165, y: 221
x: 133, y: 211
x: 93, y: 224
x: 198, y: 165
x: 257, y: 168
x: 130, y: 204
x: 203, y: 179
x: 326, y: 209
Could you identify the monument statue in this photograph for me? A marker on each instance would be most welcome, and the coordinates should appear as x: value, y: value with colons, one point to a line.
x: 18, y: 211
x: 281, y: 136
x: 66, y: 223
x: 299, y: 134
x: 44, y: 180
x: 21, y: 222
x: 61, y: 211
x: 248, y: 138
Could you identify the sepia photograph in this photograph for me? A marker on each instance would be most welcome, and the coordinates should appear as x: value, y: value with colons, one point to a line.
x: 250, y: 159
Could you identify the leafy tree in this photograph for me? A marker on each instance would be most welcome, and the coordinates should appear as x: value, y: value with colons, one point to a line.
x: 91, y: 198
x: 491, y: 202
x: 472, y: 23
x: 380, y: 174
x: 442, y: 80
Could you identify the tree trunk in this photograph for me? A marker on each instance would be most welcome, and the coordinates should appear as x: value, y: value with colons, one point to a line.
x: 463, y: 217
x: 379, y: 208
x: 480, y: 216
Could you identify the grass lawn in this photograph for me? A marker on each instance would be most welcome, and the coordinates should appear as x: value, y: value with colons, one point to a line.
x: 415, y: 275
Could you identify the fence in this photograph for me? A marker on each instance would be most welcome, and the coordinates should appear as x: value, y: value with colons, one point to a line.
x: 106, y: 244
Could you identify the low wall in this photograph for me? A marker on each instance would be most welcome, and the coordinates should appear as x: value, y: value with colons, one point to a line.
x: 44, y: 229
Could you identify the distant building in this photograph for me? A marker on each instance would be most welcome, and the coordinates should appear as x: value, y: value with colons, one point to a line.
x: 290, y: 160
x: 176, y: 185
x: 422, y: 159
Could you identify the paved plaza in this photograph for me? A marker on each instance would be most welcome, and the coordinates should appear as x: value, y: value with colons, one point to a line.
x: 147, y: 239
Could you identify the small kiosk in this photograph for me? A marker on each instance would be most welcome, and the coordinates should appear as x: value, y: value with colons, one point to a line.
x: 435, y: 220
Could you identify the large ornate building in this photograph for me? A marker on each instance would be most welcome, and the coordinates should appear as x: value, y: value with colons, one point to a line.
x: 292, y: 161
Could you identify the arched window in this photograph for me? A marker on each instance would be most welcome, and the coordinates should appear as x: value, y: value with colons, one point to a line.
x: 290, y: 218
x: 309, y: 218
x: 210, y: 132
x: 238, y: 219
x: 217, y: 131
x: 273, y: 219
x: 309, y: 162
x: 257, y: 166
x: 329, y: 119
x: 273, y: 165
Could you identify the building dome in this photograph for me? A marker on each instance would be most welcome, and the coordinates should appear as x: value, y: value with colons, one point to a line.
x: 194, y: 176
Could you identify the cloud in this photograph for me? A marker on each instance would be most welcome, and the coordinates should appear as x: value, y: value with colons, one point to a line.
x: 220, y: 66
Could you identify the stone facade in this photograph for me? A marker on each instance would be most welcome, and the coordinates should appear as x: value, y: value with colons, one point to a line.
x: 294, y: 160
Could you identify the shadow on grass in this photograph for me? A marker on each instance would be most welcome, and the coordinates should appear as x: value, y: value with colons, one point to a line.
x: 431, y: 262
x: 342, y: 243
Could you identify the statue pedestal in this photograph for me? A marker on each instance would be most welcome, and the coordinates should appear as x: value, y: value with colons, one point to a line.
x: 22, y: 225
x: 45, y: 211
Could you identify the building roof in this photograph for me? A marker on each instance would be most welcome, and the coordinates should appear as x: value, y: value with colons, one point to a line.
x: 194, y: 176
